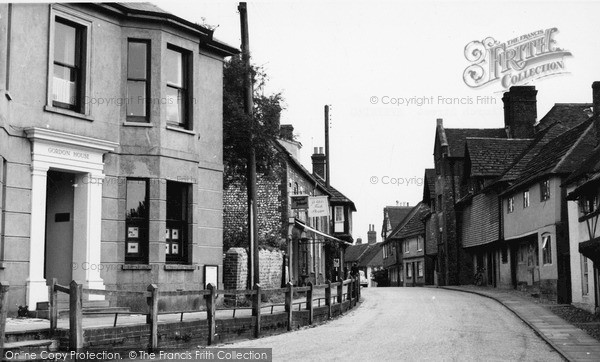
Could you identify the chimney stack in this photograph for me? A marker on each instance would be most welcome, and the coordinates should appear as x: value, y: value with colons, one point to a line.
x: 372, y: 235
x: 520, y: 111
x: 358, y: 241
x: 286, y: 132
x: 596, y: 105
x: 318, y: 163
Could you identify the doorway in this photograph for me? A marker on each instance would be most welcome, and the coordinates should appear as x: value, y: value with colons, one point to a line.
x: 58, y: 258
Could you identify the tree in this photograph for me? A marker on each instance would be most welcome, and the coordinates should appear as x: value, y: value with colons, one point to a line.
x: 236, y: 132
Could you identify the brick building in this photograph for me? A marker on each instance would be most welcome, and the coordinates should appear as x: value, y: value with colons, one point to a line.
x: 110, y: 149
x: 432, y: 229
x: 311, y: 243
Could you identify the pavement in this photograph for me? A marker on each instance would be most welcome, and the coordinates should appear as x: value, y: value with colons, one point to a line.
x: 571, y: 342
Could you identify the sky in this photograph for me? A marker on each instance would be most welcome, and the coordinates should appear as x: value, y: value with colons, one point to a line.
x: 389, y: 70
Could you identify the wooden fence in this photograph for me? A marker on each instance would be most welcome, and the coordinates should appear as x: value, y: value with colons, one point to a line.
x: 152, y: 295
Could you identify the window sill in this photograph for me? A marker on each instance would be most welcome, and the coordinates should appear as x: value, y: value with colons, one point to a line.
x: 182, y: 130
x: 180, y: 267
x: 66, y: 112
x: 136, y: 267
x: 137, y: 124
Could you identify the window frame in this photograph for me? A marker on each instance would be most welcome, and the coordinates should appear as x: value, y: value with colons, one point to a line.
x: 147, y: 80
x: 420, y: 272
x: 143, y: 240
x: 409, y: 271
x: 187, y: 86
x: 547, y: 249
x: 585, y: 277
x: 526, y: 199
x: 85, y: 23
x: 510, y: 207
x: 545, y: 190
x: 420, y: 243
x: 406, y: 246
x: 184, y: 239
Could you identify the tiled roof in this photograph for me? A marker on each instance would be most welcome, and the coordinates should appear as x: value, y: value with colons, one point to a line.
x: 588, y: 168
x: 457, y: 137
x: 540, y: 140
x: 430, y: 177
x: 373, y: 256
x: 336, y: 196
x: 563, y: 154
x: 354, y: 253
x: 396, y: 214
x: 490, y: 157
x: 412, y: 224
x: 569, y: 114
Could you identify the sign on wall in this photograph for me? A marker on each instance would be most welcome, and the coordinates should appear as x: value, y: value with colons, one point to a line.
x: 318, y: 206
x: 210, y: 275
x: 299, y: 202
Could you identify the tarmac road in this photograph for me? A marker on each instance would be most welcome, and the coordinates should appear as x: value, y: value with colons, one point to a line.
x: 413, y: 324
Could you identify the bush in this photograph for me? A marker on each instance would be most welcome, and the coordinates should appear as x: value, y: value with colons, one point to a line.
x: 381, y: 278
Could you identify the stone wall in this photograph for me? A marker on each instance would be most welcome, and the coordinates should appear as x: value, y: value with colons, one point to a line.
x: 236, y: 268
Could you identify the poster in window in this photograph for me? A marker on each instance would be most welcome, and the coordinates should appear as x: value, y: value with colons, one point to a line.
x: 210, y: 275
x: 175, y: 234
x: 132, y: 248
x: 168, y: 251
x: 133, y: 232
x: 174, y: 249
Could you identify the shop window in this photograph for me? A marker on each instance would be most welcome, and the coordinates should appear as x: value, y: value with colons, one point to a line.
x: 547, y: 249
x: 138, y: 76
x: 177, y: 238
x: 68, y: 65
x: 420, y: 269
x: 177, y: 88
x: 136, y: 220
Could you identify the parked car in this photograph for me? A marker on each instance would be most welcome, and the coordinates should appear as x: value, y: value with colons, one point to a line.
x: 363, y: 279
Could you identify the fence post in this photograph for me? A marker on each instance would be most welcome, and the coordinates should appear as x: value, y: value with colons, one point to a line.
x: 152, y: 316
x: 340, y: 294
x: 350, y: 291
x: 256, y: 310
x: 3, y: 310
x: 210, y: 313
x: 75, y: 316
x: 328, y: 299
x: 53, y: 305
x: 289, y: 300
x: 309, y: 303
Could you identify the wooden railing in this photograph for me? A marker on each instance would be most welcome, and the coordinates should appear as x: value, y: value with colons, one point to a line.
x: 152, y: 295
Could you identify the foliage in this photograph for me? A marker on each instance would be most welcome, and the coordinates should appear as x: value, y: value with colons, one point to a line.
x: 236, y: 124
x: 381, y: 278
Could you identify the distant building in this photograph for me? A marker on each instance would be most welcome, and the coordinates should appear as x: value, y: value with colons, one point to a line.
x: 392, y: 255
x: 368, y: 257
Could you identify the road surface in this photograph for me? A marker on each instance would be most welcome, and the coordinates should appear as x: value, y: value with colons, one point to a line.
x: 413, y: 324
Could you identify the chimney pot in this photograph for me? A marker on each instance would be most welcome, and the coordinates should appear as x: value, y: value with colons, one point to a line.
x: 439, y: 122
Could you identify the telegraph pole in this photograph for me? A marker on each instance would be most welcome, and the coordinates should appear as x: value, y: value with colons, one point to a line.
x: 253, y: 269
x: 327, y: 168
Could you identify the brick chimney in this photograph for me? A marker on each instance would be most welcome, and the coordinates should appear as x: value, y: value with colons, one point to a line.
x: 286, y: 132
x: 596, y: 105
x: 318, y: 162
x: 372, y: 235
x: 520, y: 111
